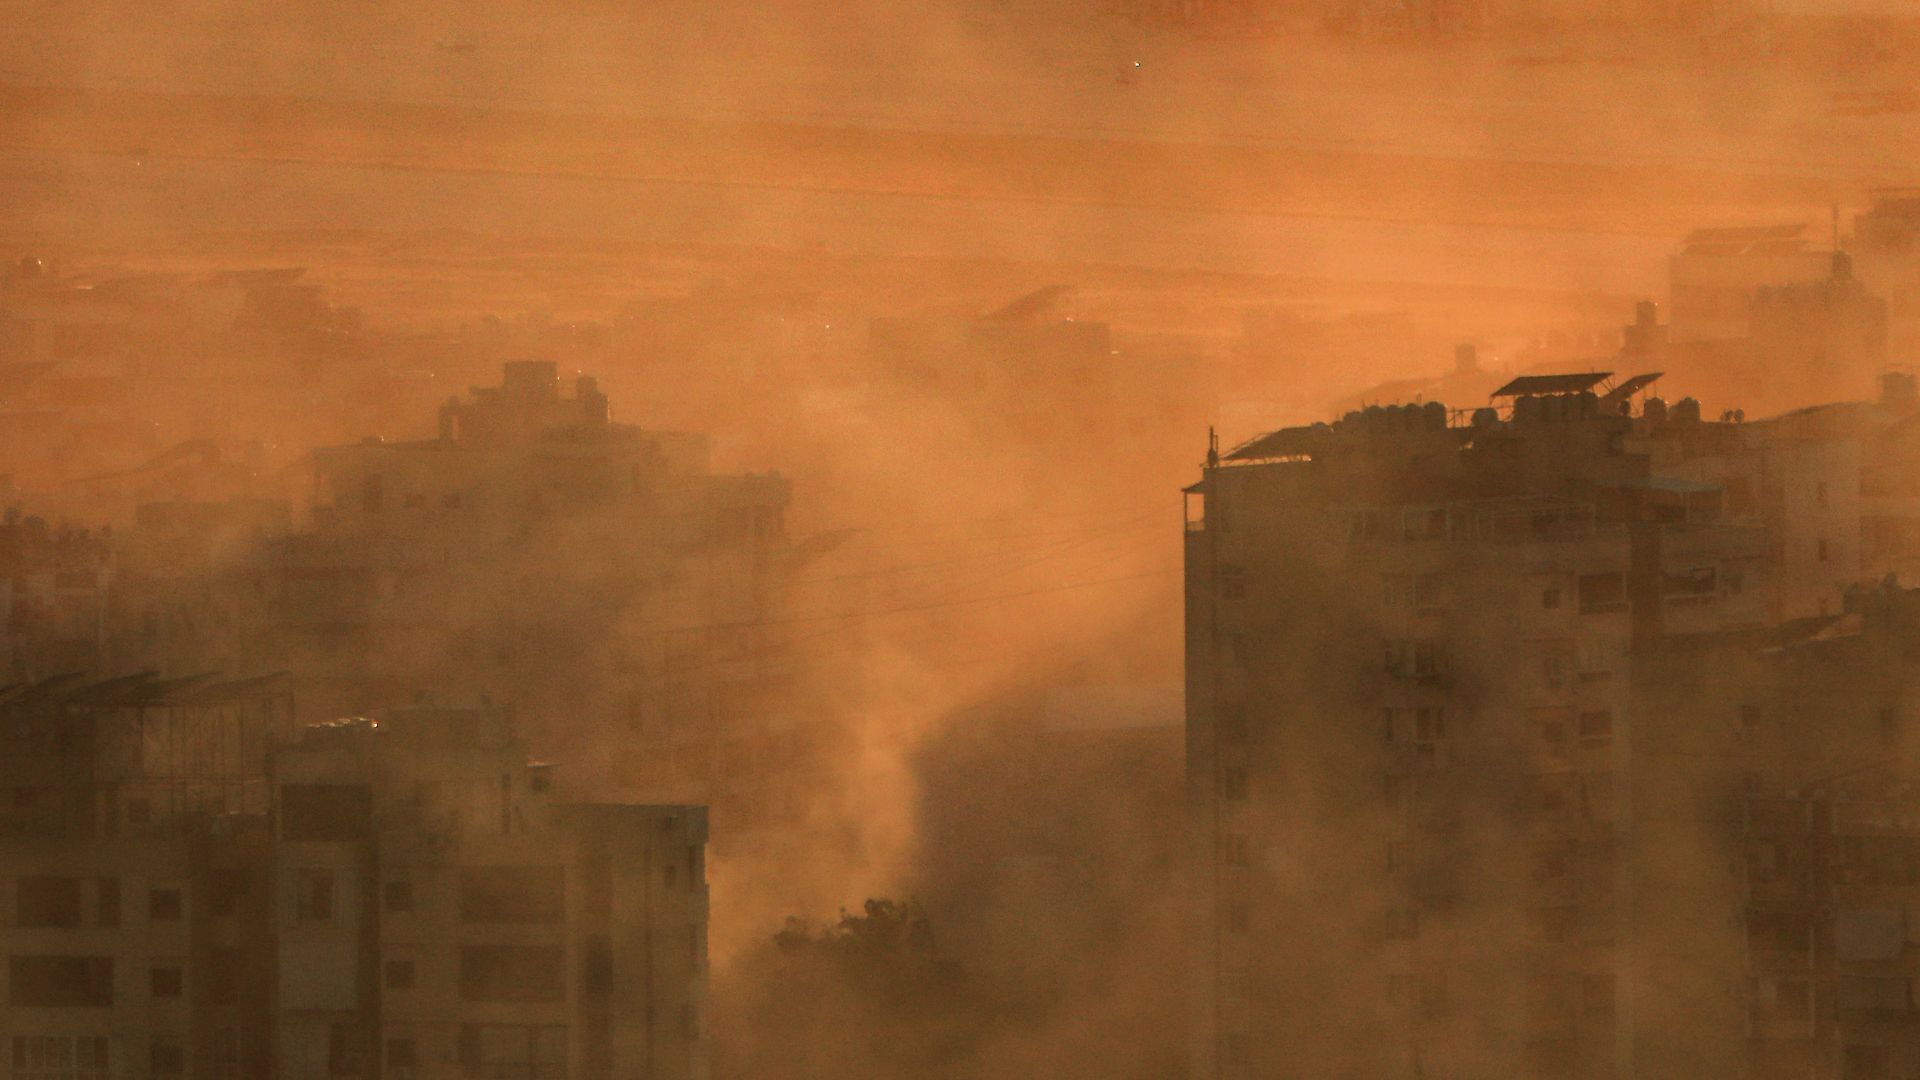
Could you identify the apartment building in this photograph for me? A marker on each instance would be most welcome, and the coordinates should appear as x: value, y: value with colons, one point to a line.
x: 1437, y: 730
x: 537, y: 548
x: 193, y: 886
x: 444, y: 915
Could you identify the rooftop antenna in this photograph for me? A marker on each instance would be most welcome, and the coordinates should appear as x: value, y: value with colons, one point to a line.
x: 1213, y: 448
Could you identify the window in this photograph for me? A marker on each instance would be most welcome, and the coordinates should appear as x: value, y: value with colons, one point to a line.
x: 1232, y: 724
x: 1701, y: 581
x: 164, y: 905
x: 1396, y: 591
x: 1749, y: 716
x: 401, y: 1055
x: 139, y: 811
x: 416, y: 501
x: 345, y: 1055
x: 1596, y: 726
x: 1601, y: 593
x: 1403, y: 923
x: 1236, y: 918
x: 325, y: 812
x: 167, y: 1057
x: 1233, y: 850
x: 1233, y: 583
x: 1235, y: 1048
x: 373, y: 495
x: 226, y: 1053
x: 225, y: 973
x: 399, y: 896
x: 226, y: 888
x: 1427, y: 593
x: 60, y: 982
x: 1820, y: 549
x: 49, y: 903
x: 535, y: 1053
x: 1233, y: 784
x: 165, y: 982
x: 109, y: 897
x: 1866, y: 1063
x: 59, y: 1057
x: 313, y: 895
x: 513, y: 894
x: 511, y: 974
x: 399, y: 975
x: 1387, y: 723
x: 1429, y: 724
x: 450, y: 501
x: 1820, y: 493
x: 1550, y: 598
x: 1889, y: 726
x: 669, y: 876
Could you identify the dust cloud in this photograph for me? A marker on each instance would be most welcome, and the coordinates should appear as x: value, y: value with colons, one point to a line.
x: 969, y: 282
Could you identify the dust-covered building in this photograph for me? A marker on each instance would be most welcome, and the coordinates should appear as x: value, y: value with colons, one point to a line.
x: 1432, y: 710
x: 591, y: 571
x: 191, y: 885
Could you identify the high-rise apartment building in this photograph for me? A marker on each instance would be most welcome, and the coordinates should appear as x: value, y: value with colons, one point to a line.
x: 1447, y: 813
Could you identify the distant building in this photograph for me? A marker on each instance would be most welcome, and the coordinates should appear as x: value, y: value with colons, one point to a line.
x: 1446, y: 812
x: 189, y: 889
x: 55, y: 587
x: 1715, y: 275
x: 600, y: 574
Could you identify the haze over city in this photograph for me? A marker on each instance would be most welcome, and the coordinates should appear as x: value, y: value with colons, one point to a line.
x: 1160, y: 539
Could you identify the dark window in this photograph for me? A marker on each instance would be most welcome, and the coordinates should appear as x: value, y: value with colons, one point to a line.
x: 49, y: 903
x: 313, y: 896
x: 1866, y: 1063
x: 399, y: 974
x: 1603, y: 592
x: 226, y: 889
x: 1550, y: 598
x: 1234, y: 850
x: 224, y: 972
x: 513, y: 894
x: 399, y: 896
x: 109, y: 901
x: 400, y: 1054
x: 509, y: 974
x: 1233, y: 724
x: 325, y: 812
x: 1233, y: 784
x: 344, y: 1054
x: 1596, y: 725
x: 164, y: 905
x: 165, y: 982
x: 167, y: 1057
x: 1749, y: 716
x: 139, y: 811
x: 1820, y: 550
x: 59, y: 982
x: 669, y: 875
x: 1237, y: 918
x: 57, y: 1057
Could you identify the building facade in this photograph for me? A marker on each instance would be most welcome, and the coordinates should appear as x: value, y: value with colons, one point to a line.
x: 192, y: 886
x: 1444, y: 807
